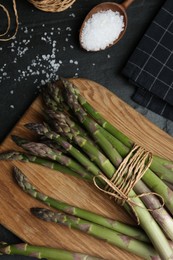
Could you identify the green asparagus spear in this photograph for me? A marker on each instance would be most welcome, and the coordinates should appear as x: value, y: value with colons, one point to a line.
x: 41, y: 252
x: 158, y: 186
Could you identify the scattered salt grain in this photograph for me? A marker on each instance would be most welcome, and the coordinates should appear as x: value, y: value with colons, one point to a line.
x: 12, y: 106
x: 68, y: 28
x: 72, y: 15
x: 101, y: 30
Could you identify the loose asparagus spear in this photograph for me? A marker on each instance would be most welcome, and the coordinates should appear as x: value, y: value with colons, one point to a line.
x: 124, y: 242
x: 41, y: 252
x: 118, y: 226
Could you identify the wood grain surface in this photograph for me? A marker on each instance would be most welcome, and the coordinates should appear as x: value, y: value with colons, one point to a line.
x: 15, y: 204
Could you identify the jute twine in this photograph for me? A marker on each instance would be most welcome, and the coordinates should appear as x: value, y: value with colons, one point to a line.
x: 52, y: 5
x: 130, y: 171
x: 4, y: 36
x: 44, y: 5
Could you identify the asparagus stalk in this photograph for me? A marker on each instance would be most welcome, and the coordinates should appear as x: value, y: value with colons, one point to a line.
x: 41, y: 252
x: 157, y: 185
x: 118, y: 226
x: 170, y: 185
x: 163, y: 168
x: 42, y: 150
x: 158, y: 212
x: 120, y: 147
x: 19, y: 156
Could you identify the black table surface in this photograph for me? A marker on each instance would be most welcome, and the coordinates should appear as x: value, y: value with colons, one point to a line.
x: 47, y: 46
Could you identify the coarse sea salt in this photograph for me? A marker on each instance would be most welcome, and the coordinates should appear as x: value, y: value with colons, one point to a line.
x: 101, y: 30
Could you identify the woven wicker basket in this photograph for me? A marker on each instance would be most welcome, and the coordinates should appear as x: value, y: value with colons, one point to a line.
x: 52, y: 5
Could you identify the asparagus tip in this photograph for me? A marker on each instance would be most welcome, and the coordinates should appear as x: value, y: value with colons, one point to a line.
x: 42, y: 213
x: 18, y: 140
x: 30, y: 126
x: 10, y: 155
x: 18, y: 175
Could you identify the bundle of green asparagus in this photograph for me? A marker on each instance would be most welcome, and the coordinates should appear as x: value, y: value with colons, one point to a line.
x: 75, y: 139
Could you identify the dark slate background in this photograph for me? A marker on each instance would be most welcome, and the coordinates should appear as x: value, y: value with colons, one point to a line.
x: 47, y: 46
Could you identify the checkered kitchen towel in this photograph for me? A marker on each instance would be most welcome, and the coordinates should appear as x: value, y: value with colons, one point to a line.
x: 150, y: 66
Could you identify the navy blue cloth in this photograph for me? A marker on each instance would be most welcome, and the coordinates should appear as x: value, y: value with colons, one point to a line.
x: 150, y: 66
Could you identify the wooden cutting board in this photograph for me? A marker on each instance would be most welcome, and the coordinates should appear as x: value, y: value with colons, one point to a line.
x: 15, y: 204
